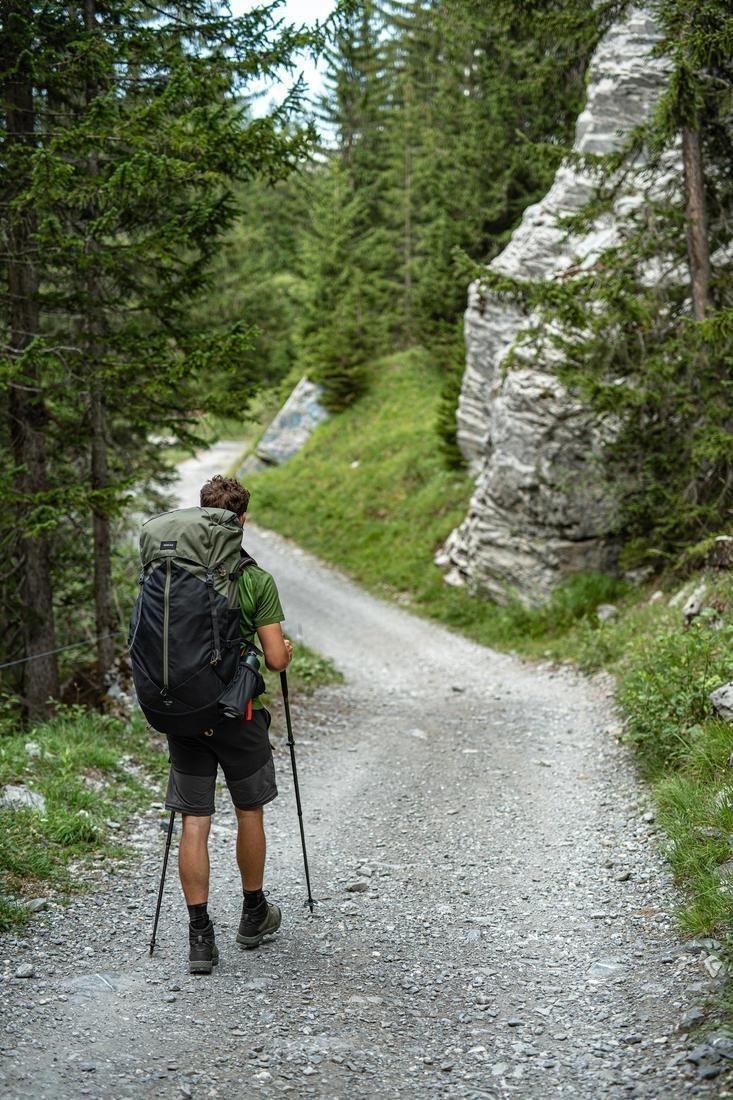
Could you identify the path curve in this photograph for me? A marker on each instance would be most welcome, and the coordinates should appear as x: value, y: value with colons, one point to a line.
x: 494, y: 916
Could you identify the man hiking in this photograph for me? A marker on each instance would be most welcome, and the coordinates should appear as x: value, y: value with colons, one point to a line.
x: 241, y: 746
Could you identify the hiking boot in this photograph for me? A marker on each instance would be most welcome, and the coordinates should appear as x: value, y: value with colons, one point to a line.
x: 258, y: 923
x: 203, y: 954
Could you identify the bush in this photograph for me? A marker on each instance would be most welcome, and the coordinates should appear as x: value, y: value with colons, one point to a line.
x: 665, y: 693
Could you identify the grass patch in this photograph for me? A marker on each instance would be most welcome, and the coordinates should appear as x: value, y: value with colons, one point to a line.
x: 684, y: 751
x: 369, y: 491
x: 82, y: 762
x: 308, y: 670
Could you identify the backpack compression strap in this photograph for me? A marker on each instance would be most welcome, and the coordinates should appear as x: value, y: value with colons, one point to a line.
x: 244, y: 562
x: 216, y: 652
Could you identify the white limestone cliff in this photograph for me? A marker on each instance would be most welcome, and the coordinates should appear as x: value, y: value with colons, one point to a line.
x: 539, y: 510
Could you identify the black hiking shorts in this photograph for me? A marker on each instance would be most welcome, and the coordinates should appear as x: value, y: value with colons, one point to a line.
x: 241, y: 747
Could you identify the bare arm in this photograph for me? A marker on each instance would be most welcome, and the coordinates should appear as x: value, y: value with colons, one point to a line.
x: 277, y: 649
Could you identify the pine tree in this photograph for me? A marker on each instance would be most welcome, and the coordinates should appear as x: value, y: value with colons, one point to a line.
x: 348, y: 256
x: 254, y: 281
x: 698, y: 40
x: 336, y: 336
x: 24, y: 492
x: 140, y: 138
x: 509, y: 84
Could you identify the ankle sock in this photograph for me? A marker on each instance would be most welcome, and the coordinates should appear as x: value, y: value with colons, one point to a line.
x: 198, y: 915
x: 253, y: 899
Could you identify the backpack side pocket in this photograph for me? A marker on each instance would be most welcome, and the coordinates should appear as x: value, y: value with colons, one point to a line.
x: 245, y: 686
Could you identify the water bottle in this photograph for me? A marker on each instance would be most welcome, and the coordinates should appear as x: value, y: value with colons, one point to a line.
x: 252, y: 661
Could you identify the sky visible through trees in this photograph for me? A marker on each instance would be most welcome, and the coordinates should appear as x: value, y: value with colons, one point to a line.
x: 295, y: 11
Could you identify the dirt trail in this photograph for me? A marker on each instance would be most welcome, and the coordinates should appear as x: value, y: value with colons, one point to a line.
x: 494, y: 916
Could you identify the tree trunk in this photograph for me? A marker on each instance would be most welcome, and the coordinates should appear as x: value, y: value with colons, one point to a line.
x: 40, y: 675
x: 105, y: 616
x: 28, y: 417
x: 407, y: 226
x: 102, y: 542
x: 698, y: 249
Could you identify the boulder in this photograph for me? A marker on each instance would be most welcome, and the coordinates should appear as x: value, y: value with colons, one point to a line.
x: 37, y: 905
x: 722, y: 701
x: 541, y: 509
x: 680, y: 596
x: 694, y: 603
x: 290, y: 430
x: 18, y: 797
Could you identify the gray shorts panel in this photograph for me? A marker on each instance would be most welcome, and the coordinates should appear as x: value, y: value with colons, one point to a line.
x: 190, y: 794
x: 254, y: 790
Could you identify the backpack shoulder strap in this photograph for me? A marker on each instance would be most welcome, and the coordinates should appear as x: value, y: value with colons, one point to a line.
x: 244, y: 562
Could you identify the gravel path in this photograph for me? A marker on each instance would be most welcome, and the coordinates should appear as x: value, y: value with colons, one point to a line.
x: 494, y: 916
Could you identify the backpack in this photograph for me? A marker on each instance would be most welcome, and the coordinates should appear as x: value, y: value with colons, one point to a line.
x: 189, y: 665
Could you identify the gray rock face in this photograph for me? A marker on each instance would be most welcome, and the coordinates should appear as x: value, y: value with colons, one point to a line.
x: 720, y: 555
x: 17, y: 797
x: 722, y: 700
x: 290, y: 430
x: 539, y: 510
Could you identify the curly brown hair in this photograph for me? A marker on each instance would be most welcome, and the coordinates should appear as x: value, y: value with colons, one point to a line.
x: 225, y: 492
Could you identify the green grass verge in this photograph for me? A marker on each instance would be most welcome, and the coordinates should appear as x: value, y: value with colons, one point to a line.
x: 91, y: 769
x: 684, y: 750
x: 308, y: 670
x: 370, y: 493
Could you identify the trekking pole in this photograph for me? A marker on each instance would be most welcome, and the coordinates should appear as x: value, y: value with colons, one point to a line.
x: 291, y: 744
x: 162, y: 879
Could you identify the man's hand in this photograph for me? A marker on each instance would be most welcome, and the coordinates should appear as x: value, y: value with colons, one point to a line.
x: 289, y: 648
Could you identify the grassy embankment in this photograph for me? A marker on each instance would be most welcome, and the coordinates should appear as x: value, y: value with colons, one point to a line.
x: 94, y: 771
x: 370, y: 493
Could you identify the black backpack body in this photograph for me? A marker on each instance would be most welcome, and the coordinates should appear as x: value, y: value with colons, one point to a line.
x: 187, y: 661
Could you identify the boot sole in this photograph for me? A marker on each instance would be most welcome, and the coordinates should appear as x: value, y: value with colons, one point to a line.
x: 255, y: 941
x: 202, y: 966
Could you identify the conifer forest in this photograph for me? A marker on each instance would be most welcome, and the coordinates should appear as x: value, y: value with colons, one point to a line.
x: 167, y: 252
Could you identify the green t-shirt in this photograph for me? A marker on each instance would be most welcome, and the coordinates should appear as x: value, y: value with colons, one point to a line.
x: 260, y: 605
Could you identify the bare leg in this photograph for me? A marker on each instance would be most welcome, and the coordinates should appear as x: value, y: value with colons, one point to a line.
x: 193, y: 859
x: 251, y: 847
